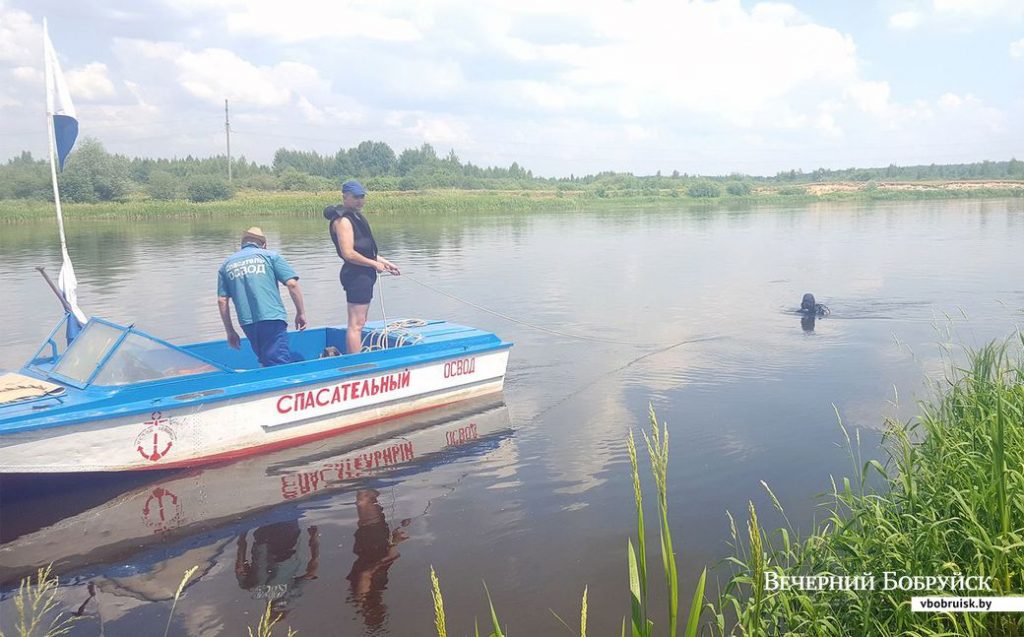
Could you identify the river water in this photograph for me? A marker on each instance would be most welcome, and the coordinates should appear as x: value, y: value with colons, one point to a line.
x: 689, y: 311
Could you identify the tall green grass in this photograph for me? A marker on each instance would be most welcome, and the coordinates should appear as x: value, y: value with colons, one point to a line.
x: 299, y: 204
x: 641, y: 624
x: 310, y: 204
x: 951, y: 501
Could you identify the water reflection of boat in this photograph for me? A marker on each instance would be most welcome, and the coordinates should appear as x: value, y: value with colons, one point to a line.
x: 221, y: 501
x: 118, y: 399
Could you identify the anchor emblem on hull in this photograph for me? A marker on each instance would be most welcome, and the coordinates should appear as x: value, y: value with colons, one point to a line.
x: 156, y: 440
x: 162, y: 509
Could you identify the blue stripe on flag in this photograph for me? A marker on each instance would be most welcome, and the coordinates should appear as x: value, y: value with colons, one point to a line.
x: 72, y: 327
x: 65, y: 131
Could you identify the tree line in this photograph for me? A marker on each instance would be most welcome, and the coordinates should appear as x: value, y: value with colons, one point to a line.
x: 91, y: 174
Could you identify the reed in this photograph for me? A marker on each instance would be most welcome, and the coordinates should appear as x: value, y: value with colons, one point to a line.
x: 950, y: 503
x: 254, y: 203
x: 583, y: 617
x: 640, y: 622
x: 268, y: 621
x: 36, y: 607
x: 177, y: 594
x: 439, y: 620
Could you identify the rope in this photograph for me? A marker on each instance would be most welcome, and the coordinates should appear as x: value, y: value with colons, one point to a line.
x: 377, y: 339
x: 380, y: 293
x: 540, y: 328
x: 601, y: 377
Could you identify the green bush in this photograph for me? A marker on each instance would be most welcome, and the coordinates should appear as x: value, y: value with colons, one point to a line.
x: 738, y: 188
x: 322, y: 184
x: 208, y: 188
x: 792, y: 191
x: 76, y: 186
x: 25, y: 178
x: 259, y: 181
x: 292, y: 179
x: 163, y: 186
x: 92, y: 174
x: 379, y: 184
x: 704, y: 189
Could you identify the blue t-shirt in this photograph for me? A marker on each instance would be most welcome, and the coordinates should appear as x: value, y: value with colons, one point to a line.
x: 250, y: 277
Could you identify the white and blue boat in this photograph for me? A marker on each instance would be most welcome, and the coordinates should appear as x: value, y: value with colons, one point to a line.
x: 119, y: 399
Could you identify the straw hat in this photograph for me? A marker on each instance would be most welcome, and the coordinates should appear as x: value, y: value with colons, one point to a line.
x: 254, y: 235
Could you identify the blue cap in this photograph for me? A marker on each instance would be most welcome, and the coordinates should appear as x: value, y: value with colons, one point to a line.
x: 353, y: 187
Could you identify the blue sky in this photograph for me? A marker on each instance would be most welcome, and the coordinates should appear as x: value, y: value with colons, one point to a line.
x: 562, y: 88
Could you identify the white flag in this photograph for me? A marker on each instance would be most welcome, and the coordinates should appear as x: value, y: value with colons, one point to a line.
x: 64, y: 121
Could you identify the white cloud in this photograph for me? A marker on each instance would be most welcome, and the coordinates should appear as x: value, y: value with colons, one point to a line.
x: 418, y: 79
x: 29, y: 74
x: 440, y: 131
x: 967, y: 113
x: 284, y: 22
x: 309, y: 111
x: 905, y: 20
x: 561, y: 87
x: 779, y: 13
x: 90, y: 82
x: 716, y: 59
x: 542, y: 95
x: 870, y: 97
x: 950, y: 101
x: 1017, y: 49
x: 20, y: 37
x: 214, y: 75
x: 826, y: 119
x: 958, y: 14
x: 635, y: 133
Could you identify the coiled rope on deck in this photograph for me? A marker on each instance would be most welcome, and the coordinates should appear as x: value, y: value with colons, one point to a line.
x: 377, y: 339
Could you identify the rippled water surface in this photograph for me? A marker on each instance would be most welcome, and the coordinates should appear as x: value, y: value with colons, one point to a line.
x: 689, y: 311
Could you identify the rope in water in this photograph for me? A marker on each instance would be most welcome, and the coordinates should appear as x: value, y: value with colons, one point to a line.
x: 581, y: 337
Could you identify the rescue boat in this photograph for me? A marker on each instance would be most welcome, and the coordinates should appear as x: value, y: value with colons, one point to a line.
x: 119, y: 399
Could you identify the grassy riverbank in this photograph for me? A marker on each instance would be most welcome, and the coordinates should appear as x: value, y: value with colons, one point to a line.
x: 945, y: 519
x: 261, y: 203
x: 951, y: 505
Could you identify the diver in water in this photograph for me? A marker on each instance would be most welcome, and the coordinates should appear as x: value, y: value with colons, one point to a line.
x: 810, y: 308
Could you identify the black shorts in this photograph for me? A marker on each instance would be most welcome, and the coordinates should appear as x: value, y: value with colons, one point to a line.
x: 358, y: 283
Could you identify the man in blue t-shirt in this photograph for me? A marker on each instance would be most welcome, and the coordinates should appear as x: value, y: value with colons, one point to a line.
x: 249, y: 278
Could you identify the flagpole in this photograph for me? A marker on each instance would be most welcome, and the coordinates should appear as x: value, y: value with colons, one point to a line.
x: 58, y: 103
x: 51, y: 138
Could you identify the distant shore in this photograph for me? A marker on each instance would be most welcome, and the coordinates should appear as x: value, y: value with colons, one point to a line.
x: 272, y: 203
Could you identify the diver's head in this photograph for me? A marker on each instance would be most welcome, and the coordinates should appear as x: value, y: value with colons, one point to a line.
x: 807, y: 304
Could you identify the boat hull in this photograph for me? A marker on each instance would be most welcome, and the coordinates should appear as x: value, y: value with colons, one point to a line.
x: 172, y: 436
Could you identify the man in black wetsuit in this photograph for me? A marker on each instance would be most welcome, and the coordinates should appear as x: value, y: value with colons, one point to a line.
x: 353, y: 240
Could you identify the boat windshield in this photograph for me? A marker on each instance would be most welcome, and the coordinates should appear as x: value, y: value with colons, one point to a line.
x: 107, y: 354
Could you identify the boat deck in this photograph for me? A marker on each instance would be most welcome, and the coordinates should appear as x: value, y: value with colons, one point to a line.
x: 242, y: 376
